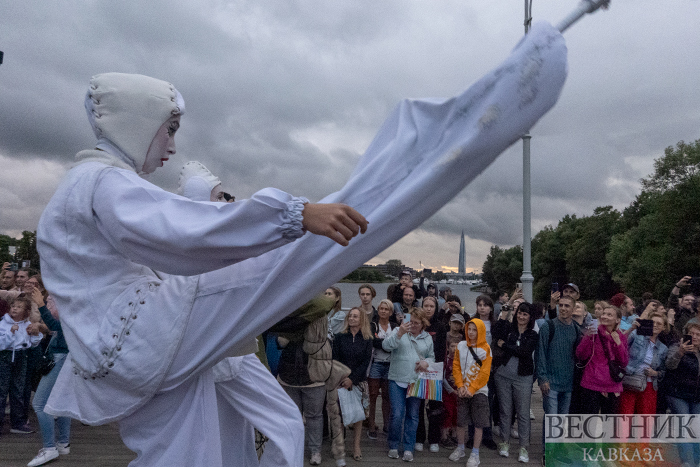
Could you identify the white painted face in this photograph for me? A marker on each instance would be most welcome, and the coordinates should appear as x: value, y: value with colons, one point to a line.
x: 217, y: 194
x: 162, y: 146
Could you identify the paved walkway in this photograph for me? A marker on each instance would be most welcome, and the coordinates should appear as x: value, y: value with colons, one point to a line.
x: 101, y: 446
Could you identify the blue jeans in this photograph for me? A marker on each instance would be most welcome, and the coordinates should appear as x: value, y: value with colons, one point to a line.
x: 47, y: 423
x: 556, y: 402
x: 400, y: 407
x: 688, y: 452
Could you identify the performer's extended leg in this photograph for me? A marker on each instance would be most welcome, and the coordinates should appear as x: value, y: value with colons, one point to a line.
x: 177, y: 427
x: 258, y: 398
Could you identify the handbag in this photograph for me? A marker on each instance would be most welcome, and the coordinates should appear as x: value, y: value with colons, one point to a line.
x: 635, y: 383
x: 45, y: 363
x: 429, y: 384
x: 617, y: 373
x: 351, y: 405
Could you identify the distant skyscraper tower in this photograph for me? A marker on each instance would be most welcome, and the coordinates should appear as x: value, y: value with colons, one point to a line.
x: 462, y: 265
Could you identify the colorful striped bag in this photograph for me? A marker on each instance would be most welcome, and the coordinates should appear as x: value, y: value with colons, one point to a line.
x: 429, y: 384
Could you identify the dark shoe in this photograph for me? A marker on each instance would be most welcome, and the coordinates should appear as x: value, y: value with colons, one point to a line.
x: 372, y: 434
x: 23, y: 430
x: 447, y: 443
x: 489, y: 444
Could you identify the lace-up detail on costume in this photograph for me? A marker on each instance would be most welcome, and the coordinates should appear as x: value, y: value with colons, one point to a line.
x: 110, y: 354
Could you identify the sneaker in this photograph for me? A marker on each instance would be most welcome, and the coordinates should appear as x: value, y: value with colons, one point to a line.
x: 45, y: 455
x: 435, y: 447
x: 514, y: 433
x: 532, y: 415
x: 503, y: 449
x: 418, y: 447
x: 372, y: 434
x: 457, y: 454
x: 25, y: 429
x: 63, y: 449
x: 393, y: 454
x: 407, y: 456
x: 473, y: 460
x: 496, y: 431
x: 340, y: 462
x: 523, y: 457
x: 315, y: 458
x: 447, y: 443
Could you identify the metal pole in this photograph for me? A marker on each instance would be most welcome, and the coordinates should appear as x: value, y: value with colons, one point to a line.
x: 527, y: 278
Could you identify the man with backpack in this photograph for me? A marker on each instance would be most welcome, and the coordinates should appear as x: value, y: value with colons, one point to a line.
x: 556, y: 360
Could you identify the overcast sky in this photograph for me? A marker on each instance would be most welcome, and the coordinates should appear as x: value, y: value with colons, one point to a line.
x: 290, y: 93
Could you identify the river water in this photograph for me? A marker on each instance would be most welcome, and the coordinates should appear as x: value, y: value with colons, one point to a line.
x: 351, y: 298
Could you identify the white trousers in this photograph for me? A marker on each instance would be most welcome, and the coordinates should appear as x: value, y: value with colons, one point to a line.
x: 252, y: 398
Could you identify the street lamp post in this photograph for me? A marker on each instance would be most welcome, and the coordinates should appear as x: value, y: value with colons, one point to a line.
x: 527, y: 278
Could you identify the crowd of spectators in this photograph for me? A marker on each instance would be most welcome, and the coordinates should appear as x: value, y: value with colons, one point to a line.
x: 491, y: 361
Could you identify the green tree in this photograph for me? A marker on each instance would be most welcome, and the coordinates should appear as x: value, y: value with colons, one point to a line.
x: 5, y: 242
x: 26, y: 249
x: 439, y: 275
x: 586, y: 253
x: 678, y: 166
x: 394, y: 267
x: 503, y: 268
x: 664, y: 245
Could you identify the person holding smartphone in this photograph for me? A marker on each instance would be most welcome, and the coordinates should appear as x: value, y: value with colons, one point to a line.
x: 683, y: 370
x: 411, y: 352
x: 647, y: 356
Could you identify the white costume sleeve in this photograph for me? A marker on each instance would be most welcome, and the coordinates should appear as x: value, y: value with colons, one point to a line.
x: 173, y: 234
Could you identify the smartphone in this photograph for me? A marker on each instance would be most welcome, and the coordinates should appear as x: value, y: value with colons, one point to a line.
x: 594, y: 326
x: 646, y: 327
x: 555, y: 287
x: 407, y: 318
x: 687, y: 339
x: 519, y: 286
x: 695, y: 285
x: 14, y: 267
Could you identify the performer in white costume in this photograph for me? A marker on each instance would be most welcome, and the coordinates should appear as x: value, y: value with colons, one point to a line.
x: 145, y: 276
x: 247, y: 394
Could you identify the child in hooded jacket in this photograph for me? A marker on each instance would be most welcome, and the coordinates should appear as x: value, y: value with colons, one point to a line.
x: 471, y: 370
x: 14, y: 340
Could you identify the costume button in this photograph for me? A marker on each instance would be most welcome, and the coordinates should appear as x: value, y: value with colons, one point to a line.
x: 110, y: 364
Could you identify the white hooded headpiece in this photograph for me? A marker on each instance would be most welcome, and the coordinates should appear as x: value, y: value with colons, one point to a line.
x: 127, y: 110
x: 196, y: 182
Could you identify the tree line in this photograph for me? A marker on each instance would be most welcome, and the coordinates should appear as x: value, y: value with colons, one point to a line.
x: 647, y: 247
